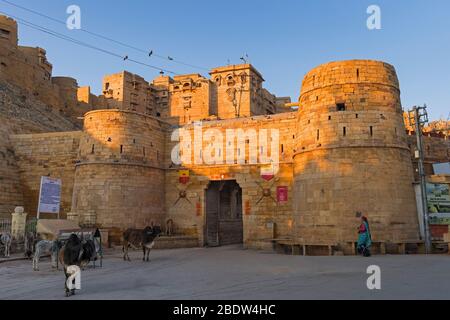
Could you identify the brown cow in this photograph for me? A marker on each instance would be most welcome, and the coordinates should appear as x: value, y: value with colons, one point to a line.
x: 140, y: 238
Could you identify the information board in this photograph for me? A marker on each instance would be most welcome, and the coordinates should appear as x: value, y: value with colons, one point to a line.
x: 49, y: 195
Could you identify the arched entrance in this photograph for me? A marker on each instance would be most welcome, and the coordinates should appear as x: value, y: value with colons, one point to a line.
x: 224, y: 224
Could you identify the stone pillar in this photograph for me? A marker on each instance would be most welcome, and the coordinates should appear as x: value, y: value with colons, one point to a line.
x: 18, y: 223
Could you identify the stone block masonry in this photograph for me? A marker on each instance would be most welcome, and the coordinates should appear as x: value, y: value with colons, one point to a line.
x: 119, y: 175
x: 48, y: 154
x: 345, y: 150
x: 11, y: 191
x: 352, y: 155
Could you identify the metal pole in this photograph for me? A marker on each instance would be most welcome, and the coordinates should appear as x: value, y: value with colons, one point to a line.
x: 423, y: 181
x: 38, y: 214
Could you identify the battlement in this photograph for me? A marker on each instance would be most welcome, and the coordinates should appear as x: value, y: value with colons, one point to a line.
x: 350, y: 72
x: 235, y: 68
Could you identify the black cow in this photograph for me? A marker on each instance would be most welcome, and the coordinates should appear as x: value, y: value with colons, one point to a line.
x: 140, y: 238
x: 89, y: 252
x: 70, y: 255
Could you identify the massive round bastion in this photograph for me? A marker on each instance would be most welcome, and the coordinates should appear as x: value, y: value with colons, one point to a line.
x: 119, y: 177
x: 352, y: 155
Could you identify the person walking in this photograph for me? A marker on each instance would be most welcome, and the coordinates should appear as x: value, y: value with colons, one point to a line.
x: 364, y: 237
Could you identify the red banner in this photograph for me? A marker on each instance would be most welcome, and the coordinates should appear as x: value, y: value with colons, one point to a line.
x: 282, y: 194
x: 184, y: 176
x: 267, y: 172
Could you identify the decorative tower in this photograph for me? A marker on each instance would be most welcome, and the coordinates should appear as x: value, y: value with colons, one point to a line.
x: 237, y: 90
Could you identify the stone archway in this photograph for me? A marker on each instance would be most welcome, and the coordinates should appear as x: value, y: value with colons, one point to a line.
x: 224, y: 222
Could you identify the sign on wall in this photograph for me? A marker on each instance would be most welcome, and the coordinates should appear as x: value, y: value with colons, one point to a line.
x: 282, y: 194
x: 184, y: 176
x: 441, y: 168
x: 267, y: 172
x: 438, y: 196
x: 49, y: 196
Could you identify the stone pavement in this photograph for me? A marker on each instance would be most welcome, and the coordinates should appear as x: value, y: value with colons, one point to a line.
x: 233, y: 273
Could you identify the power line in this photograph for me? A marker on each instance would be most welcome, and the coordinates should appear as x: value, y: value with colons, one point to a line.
x: 84, y: 44
x: 150, y: 53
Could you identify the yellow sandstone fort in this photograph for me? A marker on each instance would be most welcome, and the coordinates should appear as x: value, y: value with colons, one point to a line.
x: 345, y: 150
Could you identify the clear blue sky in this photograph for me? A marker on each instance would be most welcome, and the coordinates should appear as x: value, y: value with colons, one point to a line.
x: 284, y: 39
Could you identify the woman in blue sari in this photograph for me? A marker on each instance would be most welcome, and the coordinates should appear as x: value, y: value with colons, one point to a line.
x: 364, y: 238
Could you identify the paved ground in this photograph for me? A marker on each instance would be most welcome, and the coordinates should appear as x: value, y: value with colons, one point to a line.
x: 233, y: 273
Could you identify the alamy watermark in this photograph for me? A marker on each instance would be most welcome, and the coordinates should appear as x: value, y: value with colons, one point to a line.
x: 374, y: 20
x: 215, y: 147
x: 374, y: 280
x: 73, y: 22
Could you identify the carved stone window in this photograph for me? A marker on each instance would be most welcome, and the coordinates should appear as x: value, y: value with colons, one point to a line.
x: 230, y: 81
x: 187, y: 102
x: 4, y: 33
x: 340, y: 106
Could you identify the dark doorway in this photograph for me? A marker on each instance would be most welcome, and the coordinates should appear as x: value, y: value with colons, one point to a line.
x: 224, y: 224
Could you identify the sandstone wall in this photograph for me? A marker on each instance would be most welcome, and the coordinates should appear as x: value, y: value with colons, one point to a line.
x: 160, y: 90
x: 233, y: 90
x: 28, y: 68
x: 352, y: 155
x: 21, y: 114
x: 119, y: 178
x: 47, y: 154
x: 8, y: 30
x: 258, y: 212
x: 191, y: 98
x: 11, y: 194
x: 128, y: 91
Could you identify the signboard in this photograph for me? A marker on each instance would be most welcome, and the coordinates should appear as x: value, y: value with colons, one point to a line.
x: 267, y: 172
x: 438, y: 197
x: 441, y: 168
x: 184, y: 176
x: 282, y: 194
x: 49, y: 196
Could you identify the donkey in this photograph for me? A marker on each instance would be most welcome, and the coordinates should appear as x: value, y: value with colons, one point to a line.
x: 6, y: 240
x: 140, y: 238
x: 46, y: 247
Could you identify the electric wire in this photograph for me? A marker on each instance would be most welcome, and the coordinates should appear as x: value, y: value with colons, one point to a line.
x: 151, y: 53
x: 84, y: 44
